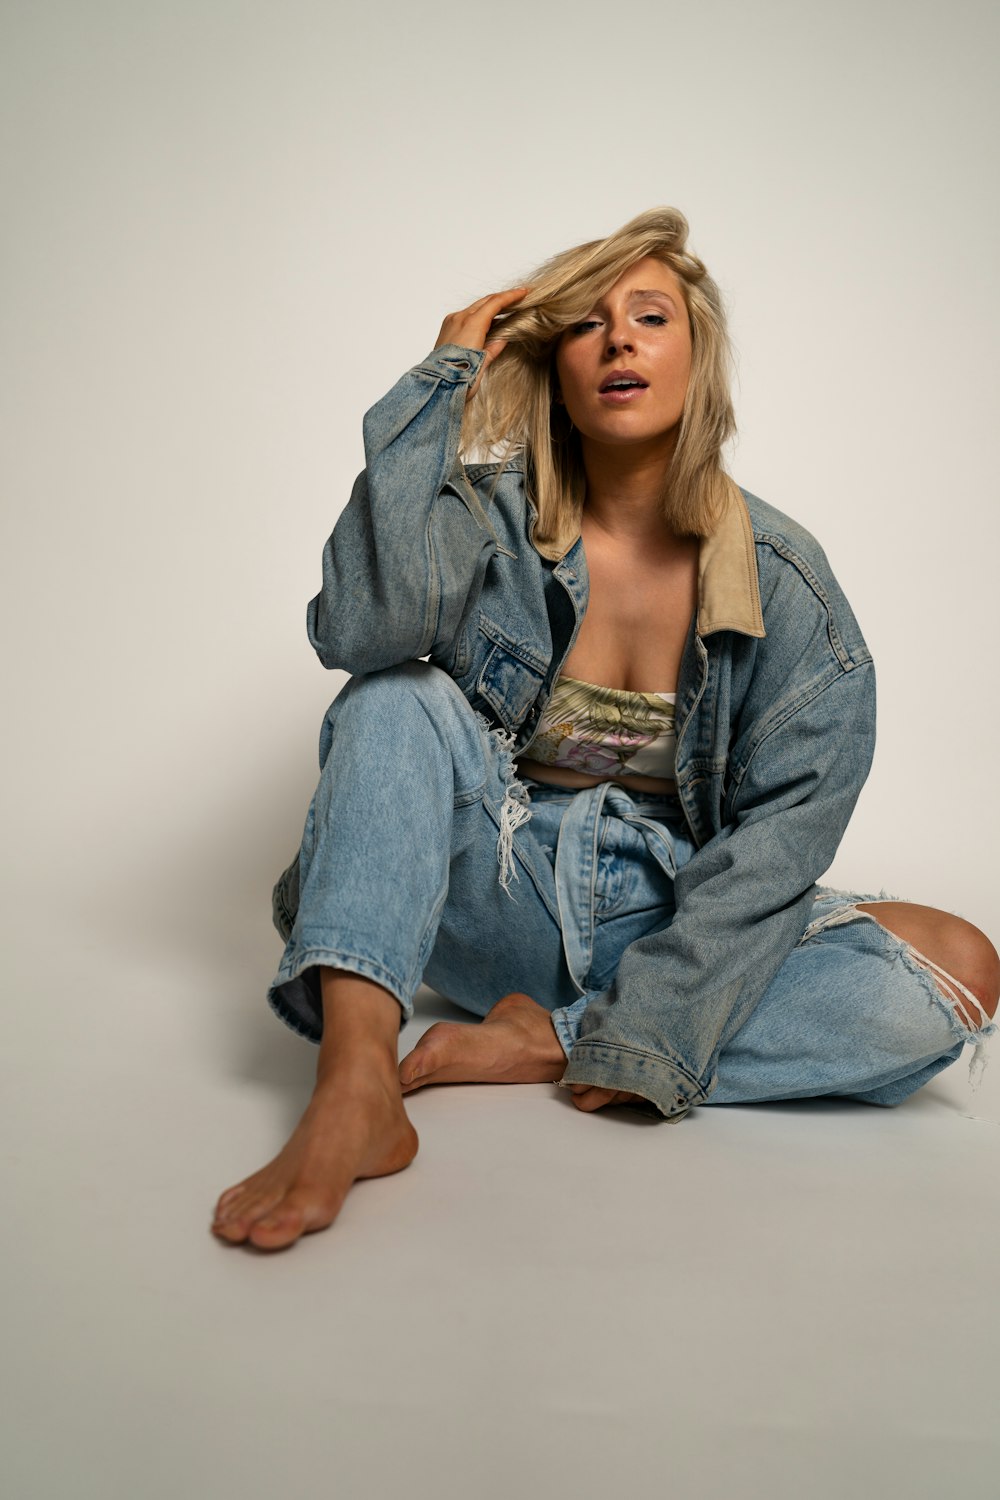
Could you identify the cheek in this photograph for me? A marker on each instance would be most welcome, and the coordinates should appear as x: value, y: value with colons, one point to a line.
x: 678, y: 372
x: 565, y: 373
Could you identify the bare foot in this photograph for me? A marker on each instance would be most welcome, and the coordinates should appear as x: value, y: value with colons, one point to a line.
x: 354, y: 1126
x: 515, y: 1043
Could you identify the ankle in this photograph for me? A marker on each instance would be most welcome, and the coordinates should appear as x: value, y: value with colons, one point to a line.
x: 356, y: 1060
x: 357, y: 1011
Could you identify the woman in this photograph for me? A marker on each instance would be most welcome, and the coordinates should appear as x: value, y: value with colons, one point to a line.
x: 640, y: 725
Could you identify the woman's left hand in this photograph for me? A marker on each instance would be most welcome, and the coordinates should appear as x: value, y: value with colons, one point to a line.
x: 586, y: 1096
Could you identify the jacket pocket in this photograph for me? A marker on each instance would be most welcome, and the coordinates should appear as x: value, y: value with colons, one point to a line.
x: 512, y: 674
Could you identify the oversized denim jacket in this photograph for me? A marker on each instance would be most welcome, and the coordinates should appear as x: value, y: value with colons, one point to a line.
x: 775, y: 711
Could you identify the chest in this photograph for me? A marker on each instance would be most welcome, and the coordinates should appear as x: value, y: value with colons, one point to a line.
x: 638, y: 614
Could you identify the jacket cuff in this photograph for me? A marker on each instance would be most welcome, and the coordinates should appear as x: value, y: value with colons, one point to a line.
x: 668, y: 1086
x: 454, y: 363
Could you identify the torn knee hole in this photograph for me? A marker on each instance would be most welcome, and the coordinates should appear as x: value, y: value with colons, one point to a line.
x: 964, y: 1001
x: 966, y: 1004
x: 976, y: 1026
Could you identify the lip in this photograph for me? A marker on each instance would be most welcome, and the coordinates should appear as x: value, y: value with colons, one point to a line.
x: 621, y: 398
x: 620, y: 375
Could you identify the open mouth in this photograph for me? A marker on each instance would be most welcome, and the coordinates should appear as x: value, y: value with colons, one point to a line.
x: 620, y: 393
x: 622, y: 384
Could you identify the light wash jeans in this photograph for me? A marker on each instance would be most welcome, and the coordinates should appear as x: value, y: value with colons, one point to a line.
x: 423, y: 859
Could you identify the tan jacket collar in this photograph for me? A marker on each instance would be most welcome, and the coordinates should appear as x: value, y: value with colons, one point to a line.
x: 728, y: 585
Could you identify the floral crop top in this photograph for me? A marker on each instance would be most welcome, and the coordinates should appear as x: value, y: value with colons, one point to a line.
x: 606, y: 731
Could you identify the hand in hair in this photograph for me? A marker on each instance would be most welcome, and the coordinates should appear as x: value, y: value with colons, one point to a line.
x: 469, y: 329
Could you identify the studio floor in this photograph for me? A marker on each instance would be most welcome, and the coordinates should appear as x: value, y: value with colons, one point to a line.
x: 772, y: 1301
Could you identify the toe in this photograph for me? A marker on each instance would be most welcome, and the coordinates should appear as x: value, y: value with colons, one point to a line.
x: 251, y: 1203
x: 410, y: 1071
x: 232, y: 1229
x: 230, y: 1200
x: 276, y: 1230
x: 298, y: 1214
x: 419, y: 1066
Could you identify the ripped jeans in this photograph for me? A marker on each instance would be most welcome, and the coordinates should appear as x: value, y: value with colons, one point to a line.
x: 424, y: 860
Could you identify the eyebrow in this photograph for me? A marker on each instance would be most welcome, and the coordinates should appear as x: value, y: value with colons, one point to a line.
x: 653, y: 291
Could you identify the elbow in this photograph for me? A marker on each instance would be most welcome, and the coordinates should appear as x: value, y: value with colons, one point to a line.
x: 335, y: 644
x: 341, y: 649
x: 338, y: 652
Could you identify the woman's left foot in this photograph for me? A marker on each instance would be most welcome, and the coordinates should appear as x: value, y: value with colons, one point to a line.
x: 516, y: 1042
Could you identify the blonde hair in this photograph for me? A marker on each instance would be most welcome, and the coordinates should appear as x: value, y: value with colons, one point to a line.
x: 514, y: 410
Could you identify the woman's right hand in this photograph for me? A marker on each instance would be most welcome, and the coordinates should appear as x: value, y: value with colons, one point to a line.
x: 469, y: 328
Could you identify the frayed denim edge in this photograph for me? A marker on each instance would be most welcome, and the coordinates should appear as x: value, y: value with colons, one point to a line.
x: 921, y: 965
x: 515, y: 808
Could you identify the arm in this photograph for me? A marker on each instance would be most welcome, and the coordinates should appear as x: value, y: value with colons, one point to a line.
x: 413, y: 540
x: 742, y: 905
x: 408, y: 556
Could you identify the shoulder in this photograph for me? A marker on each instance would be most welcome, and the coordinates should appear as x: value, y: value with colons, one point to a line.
x: 788, y: 538
x: 502, y: 491
x: 793, y: 568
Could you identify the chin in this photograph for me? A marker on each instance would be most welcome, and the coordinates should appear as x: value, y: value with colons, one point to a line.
x: 618, y: 436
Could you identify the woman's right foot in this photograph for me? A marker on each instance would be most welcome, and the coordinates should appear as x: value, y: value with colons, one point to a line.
x: 354, y: 1126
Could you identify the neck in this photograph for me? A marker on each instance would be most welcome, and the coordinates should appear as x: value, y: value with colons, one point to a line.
x: 624, y: 488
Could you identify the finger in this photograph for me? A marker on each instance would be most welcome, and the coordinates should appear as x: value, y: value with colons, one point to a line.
x: 592, y: 1098
x: 589, y: 1097
x: 507, y: 295
x: 493, y: 348
x: 470, y: 326
x: 500, y: 298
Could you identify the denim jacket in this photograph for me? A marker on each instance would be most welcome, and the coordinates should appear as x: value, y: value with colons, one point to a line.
x: 775, y: 710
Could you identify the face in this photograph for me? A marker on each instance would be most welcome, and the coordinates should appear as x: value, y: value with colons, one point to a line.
x: 640, y: 325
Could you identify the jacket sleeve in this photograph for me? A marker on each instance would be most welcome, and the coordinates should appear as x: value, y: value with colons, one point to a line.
x: 410, y: 548
x: 743, y: 902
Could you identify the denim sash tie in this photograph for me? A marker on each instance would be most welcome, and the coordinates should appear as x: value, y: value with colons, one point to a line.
x: 576, y: 866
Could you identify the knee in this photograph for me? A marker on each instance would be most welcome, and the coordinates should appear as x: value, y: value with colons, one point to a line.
x: 392, y: 689
x: 386, y: 708
x: 955, y: 945
x: 982, y: 963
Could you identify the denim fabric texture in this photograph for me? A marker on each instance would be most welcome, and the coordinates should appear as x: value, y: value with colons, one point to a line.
x: 423, y: 857
x: 404, y: 887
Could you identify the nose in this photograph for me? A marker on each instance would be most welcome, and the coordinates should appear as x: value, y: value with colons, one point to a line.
x: 618, y: 339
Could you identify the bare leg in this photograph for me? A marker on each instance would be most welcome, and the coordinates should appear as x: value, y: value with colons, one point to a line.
x: 952, y: 943
x: 354, y: 1126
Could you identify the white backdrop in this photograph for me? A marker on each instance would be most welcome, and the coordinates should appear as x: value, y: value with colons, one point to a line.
x: 230, y: 228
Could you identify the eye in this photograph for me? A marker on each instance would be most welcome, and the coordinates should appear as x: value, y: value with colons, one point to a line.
x: 656, y: 317
x: 578, y: 327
